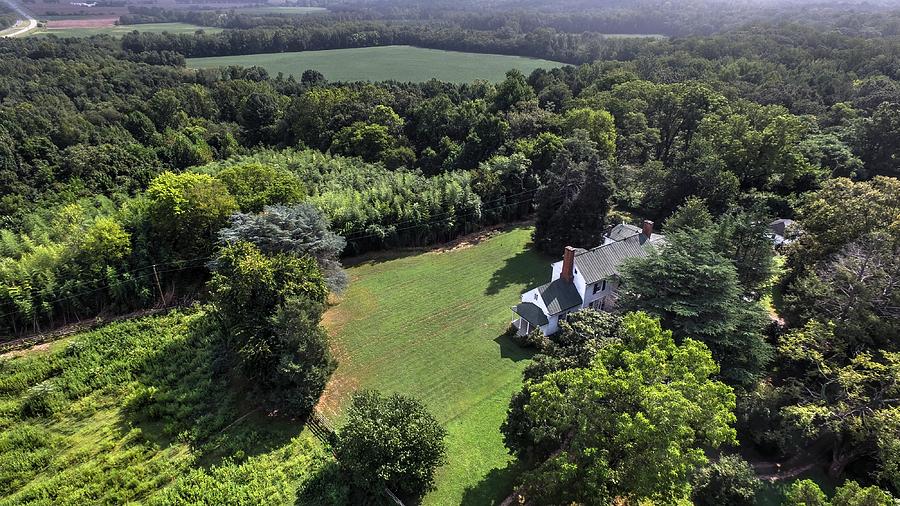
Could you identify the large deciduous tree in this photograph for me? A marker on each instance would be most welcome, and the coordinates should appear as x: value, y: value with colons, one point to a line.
x: 633, y: 424
x: 391, y: 441
x: 255, y: 186
x: 847, y: 397
x: 579, y: 338
x: 269, y: 308
x: 186, y: 211
x: 598, y: 124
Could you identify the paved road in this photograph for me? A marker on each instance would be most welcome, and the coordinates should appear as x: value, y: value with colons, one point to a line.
x: 24, y: 25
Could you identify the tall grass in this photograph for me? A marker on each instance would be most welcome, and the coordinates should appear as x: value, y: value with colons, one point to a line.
x: 144, y: 411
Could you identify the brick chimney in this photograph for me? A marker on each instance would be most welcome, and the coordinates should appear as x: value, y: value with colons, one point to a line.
x: 648, y: 228
x: 568, y: 264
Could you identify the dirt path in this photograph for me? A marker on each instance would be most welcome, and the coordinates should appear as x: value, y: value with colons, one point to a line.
x: 813, y: 456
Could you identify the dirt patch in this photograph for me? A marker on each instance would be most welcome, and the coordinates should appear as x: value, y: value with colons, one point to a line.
x: 473, y: 239
x: 60, y: 24
x: 19, y: 353
x: 336, y: 393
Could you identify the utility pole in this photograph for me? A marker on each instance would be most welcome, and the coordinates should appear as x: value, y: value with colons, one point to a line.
x: 162, y: 299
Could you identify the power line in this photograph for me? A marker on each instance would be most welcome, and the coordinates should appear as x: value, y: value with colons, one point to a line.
x: 90, y: 281
x: 191, y: 264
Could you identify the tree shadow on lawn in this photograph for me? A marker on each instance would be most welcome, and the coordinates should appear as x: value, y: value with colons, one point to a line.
x: 494, y: 488
x: 527, y: 268
x: 511, y: 350
x: 381, y: 256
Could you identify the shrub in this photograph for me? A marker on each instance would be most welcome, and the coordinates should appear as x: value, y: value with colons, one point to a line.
x: 730, y: 480
x: 805, y: 493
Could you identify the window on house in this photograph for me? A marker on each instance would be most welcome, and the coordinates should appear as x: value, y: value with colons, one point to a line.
x: 600, y: 286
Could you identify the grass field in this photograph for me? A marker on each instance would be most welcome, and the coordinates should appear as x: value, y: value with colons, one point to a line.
x: 401, y: 63
x: 429, y: 325
x: 138, y: 411
x: 119, y: 30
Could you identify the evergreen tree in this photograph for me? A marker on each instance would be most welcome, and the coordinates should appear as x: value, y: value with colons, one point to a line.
x: 695, y: 290
x: 574, y: 200
x: 299, y: 230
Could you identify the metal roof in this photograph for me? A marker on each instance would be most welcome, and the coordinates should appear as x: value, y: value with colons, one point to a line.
x: 559, y: 295
x: 781, y: 225
x: 622, y: 231
x: 531, y: 313
x: 604, y: 261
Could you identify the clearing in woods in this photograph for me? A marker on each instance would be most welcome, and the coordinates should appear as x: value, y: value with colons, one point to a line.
x: 136, y: 411
x: 430, y: 325
x: 400, y: 63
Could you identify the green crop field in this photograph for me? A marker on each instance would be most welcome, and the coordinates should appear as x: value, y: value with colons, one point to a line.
x: 119, y: 30
x: 401, y: 63
x: 430, y: 325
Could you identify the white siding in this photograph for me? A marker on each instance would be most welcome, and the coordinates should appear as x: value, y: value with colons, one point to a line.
x: 552, y: 326
x: 533, y: 297
x: 579, y: 283
x: 577, y: 277
x: 611, y: 286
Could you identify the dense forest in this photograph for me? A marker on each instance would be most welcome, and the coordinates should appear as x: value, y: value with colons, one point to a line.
x: 7, y: 17
x: 683, y: 18
x: 128, y: 181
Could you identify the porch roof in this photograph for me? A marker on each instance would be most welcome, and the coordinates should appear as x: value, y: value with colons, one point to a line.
x: 531, y: 313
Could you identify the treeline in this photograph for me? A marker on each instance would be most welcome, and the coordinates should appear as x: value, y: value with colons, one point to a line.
x: 418, y: 163
x: 675, y: 19
x: 7, y: 17
x: 544, y: 43
x: 99, y: 256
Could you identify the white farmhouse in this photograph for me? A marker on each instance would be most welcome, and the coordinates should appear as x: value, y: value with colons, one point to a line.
x: 583, y: 278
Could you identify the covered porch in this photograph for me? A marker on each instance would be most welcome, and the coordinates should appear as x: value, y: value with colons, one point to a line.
x: 527, y: 317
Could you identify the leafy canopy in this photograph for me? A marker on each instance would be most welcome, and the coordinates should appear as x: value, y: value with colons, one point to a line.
x: 633, y: 424
x: 391, y: 441
x: 694, y: 290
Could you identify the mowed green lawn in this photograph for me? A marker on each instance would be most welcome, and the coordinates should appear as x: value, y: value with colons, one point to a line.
x: 401, y: 63
x: 119, y: 30
x: 429, y: 325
